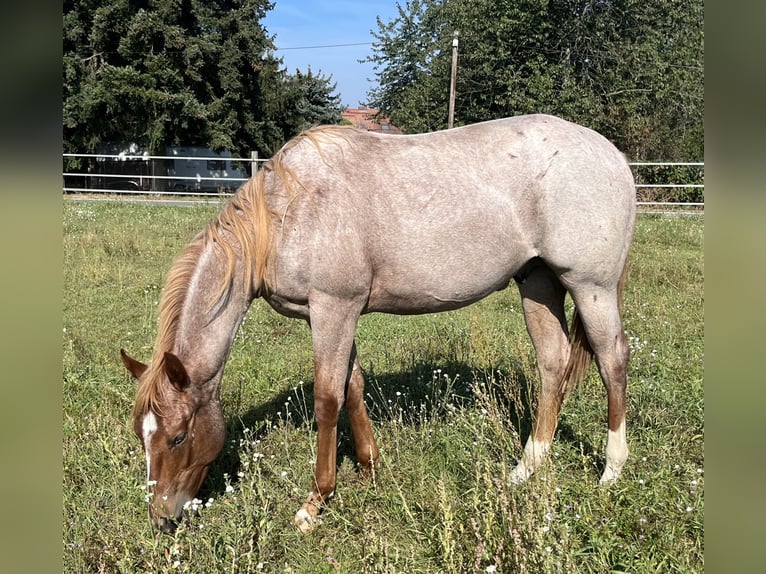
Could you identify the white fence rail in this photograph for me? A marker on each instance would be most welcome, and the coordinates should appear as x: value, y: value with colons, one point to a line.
x: 160, y: 174
x: 144, y: 174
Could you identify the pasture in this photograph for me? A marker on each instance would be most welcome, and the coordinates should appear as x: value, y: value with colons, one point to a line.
x: 449, y: 396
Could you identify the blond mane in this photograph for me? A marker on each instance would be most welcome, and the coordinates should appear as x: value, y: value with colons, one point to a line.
x: 240, y: 233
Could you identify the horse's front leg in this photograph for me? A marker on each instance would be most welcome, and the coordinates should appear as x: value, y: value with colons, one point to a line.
x: 332, y: 330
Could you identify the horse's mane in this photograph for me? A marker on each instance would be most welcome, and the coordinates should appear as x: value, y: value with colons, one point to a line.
x: 240, y: 232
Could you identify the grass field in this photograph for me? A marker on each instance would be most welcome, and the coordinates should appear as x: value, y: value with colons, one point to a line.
x: 449, y: 396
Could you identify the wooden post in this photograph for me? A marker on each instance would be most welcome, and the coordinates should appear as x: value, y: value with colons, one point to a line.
x: 453, y: 79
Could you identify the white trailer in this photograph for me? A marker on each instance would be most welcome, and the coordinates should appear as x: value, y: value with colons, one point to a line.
x: 198, y: 169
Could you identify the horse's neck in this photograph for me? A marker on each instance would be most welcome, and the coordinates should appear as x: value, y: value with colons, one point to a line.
x: 207, y: 326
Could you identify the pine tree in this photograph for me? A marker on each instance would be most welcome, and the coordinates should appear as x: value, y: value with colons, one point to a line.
x: 179, y: 72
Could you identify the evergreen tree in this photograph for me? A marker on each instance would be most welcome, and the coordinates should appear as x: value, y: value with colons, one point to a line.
x: 313, y: 99
x: 172, y: 72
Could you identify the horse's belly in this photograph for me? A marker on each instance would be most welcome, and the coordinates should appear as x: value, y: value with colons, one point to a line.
x: 419, y: 303
x: 413, y: 293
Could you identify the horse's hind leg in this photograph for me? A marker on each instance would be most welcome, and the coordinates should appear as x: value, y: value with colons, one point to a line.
x: 600, y: 312
x: 364, y: 441
x: 543, y: 301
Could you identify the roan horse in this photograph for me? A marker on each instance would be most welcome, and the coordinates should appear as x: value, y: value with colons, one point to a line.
x: 342, y: 222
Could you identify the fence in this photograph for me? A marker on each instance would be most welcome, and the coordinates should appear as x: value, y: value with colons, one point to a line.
x: 163, y: 176
x: 654, y: 195
x: 157, y: 175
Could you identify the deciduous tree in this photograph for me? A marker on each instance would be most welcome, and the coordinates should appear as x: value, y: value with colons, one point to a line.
x: 632, y: 69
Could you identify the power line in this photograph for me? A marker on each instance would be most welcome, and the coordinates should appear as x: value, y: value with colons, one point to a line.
x: 323, y: 46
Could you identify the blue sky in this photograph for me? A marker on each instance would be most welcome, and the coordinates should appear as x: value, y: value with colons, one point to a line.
x: 301, y: 25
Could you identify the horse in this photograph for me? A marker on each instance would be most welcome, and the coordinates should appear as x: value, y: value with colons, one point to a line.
x: 341, y: 222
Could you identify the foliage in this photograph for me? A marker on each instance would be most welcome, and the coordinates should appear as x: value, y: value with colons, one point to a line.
x: 181, y: 72
x: 661, y: 175
x: 314, y: 102
x: 449, y: 398
x: 631, y: 69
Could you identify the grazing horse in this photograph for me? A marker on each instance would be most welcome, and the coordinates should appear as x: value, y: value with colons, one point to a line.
x: 342, y: 222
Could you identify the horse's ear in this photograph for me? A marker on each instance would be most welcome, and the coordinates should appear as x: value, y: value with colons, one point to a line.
x: 135, y: 368
x: 176, y: 372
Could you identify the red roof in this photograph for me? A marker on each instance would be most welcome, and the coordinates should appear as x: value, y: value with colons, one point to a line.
x: 365, y: 119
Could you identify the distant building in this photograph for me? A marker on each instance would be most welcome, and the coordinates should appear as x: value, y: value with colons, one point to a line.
x: 364, y: 118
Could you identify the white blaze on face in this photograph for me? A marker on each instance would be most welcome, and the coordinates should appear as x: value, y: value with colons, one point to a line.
x: 148, y: 428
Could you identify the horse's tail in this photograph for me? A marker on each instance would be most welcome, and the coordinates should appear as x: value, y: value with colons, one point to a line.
x: 580, y: 351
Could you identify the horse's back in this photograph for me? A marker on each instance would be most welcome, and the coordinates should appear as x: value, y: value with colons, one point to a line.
x: 540, y: 168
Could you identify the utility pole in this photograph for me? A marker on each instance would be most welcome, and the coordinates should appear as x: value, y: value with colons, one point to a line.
x: 453, y: 78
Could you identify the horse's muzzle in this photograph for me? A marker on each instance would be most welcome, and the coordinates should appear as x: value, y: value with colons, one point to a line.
x: 166, y: 525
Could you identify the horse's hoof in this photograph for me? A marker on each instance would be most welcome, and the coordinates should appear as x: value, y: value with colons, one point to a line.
x: 610, y: 475
x: 304, y: 521
x: 520, y: 474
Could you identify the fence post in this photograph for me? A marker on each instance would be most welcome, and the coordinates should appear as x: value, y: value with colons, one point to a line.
x: 253, y: 162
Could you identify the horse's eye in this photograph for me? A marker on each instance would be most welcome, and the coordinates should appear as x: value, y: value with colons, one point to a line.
x: 179, y: 440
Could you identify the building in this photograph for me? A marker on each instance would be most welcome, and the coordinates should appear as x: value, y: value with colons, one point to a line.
x: 365, y: 118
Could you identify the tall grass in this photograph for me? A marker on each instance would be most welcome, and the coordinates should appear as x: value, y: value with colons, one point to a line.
x: 450, y: 398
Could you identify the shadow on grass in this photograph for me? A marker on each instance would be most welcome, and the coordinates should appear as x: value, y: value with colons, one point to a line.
x: 392, y: 397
